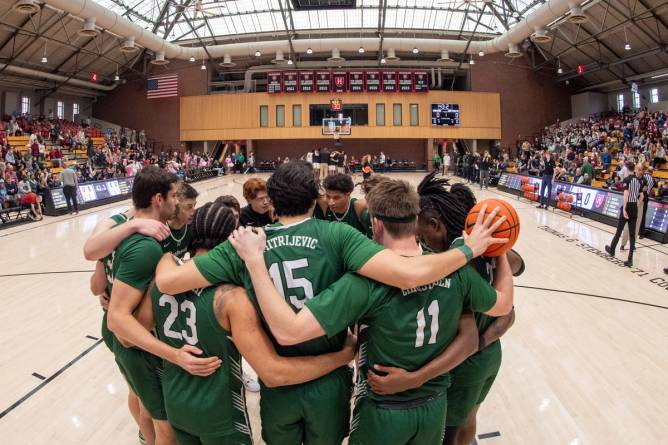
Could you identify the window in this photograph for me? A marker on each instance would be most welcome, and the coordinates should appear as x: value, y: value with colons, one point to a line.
x: 620, y: 102
x: 396, y: 115
x: 380, y: 115
x: 414, y: 115
x: 296, y: 115
x: 358, y: 113
x: 654, y: 95
x: 25, y: 105
x: 75, y: 110
x: 60, y: 109
x: 636, y: 99
x: 280, y: 115
x: 264, y: 116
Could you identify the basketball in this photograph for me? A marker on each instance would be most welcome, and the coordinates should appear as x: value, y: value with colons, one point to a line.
x: 509, y: 229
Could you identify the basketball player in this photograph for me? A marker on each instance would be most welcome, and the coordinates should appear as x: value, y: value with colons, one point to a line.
x: 134, y: 261
x: 305, y: 256
x: 337, y: 204
x: 222, y: 323
x: 442, y: 218
x: 179, y: 227
x: 405, y: 328
x: 231, y: 202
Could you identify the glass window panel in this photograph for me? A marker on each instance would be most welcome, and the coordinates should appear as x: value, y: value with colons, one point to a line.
x: 280, y: 115
x: 654, y: 95
x: 396, y: 115
x: 296, y: 115
x: 415, y: 115
x: 380, y: 115
x: 264, y: 116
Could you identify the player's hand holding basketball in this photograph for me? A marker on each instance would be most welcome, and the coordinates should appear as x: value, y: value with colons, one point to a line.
x: 151, y: 227
x: 249, y: 242
x: 482, y: 234
x: 202, y: 367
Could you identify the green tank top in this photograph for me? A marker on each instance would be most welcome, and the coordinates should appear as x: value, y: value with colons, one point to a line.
x: 204, y: 406
x: 349, y: 217
x: 108, y: 261
x: 178, y: 241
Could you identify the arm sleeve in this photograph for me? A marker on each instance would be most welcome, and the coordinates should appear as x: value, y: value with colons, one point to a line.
x: 137, y: 262
x: 342, y: 303
x: 478, y: 292
x: 220, y: 265
x: 354, y: 248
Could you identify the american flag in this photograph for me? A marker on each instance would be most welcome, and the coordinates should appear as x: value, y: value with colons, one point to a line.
x: 163, y: 86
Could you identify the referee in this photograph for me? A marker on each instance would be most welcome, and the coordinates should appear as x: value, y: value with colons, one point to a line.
x: 648, y: 191
x: 632, y: 187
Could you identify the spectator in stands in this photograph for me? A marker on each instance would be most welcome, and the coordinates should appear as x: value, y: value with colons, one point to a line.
x: 3, y: 194
x: 56, y: 156
x: 259, y: 211
x: 10, y: 157
x: 586, y: 180
x: 382, y: 160
x: 577, y: 177
x: 546, y: 182
x: 251, y: 163
x: 12, y: 191
x: 70, y: 183
x: 616, y: 183
x: 437, y: 162
x: 587, y: 168
x: 23, y: 186
x: 484, y: 165
x: 34, y: 202
x: 534, y: 165
x: 560, y: 173
x: 660, y: 158
x: 446, y: 163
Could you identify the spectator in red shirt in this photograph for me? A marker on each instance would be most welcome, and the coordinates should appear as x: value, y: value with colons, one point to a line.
x: 55, y: 155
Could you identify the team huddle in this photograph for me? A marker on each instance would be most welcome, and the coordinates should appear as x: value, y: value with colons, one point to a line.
x: 390, y: 283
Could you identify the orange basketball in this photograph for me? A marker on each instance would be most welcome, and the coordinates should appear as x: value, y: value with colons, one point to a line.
x: 509, y: 229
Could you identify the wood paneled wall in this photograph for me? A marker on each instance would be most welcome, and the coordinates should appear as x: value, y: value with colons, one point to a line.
x: 237, y: 116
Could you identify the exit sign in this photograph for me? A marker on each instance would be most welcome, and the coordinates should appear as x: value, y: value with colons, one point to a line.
x: 93, y: 76
x: 581, y: 69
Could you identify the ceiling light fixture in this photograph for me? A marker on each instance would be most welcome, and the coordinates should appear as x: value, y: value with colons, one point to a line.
x: 659, y: 76
x: 203, y: 67
x: 383, y: 61
x: 290, y: 62
x: 44, y: 59
x: 117, y: 77
x: 415, y: 50
x: 627, y: 45
x: 192, y: 59
x: 309, y: 51
x: 481, y: 54
x: 560, y: 70
x: 361, y: 50
x: 471, y: 61
x: 258, y: 53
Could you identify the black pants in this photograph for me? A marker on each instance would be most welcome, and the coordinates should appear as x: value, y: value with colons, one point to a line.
x: 70, y: 193
x: 642, y: 231
x: 546, y: 182
x: 632, y: 211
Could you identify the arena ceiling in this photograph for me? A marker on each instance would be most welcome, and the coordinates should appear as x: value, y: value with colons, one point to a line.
x: 599, y: 44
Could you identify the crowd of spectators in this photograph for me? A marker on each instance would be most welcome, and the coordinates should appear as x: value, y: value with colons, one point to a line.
x: 595, y: 151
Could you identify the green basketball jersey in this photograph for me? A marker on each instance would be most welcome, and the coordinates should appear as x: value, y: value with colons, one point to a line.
x: 402, y: 328
x: 349, y: 217
x: 178, y: 241
x: 303, y: 259
x: 203, y: 406
x: 108, y: 261
x: 485, y: 267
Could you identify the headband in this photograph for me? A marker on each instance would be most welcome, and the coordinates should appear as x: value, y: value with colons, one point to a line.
x: 396, y: 219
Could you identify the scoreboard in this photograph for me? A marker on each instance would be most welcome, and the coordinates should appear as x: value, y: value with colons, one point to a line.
x: 89, y: 194
x: 338, y: 81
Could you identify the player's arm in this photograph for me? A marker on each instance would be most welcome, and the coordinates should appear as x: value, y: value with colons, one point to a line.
x: 105, y: 237
x: 395, y: 380
x: 98, y: 281
x: 254, y: 345
x: 408, y: 272
x: 496, y: 330
x: 172, y: 278
x: 503, y: 283
x: 360, y: 207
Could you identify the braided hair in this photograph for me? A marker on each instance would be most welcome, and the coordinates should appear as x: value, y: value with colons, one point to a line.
x: 212, y: 224
x: 450, y: 206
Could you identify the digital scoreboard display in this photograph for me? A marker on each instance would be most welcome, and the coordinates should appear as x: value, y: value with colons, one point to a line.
x: 89, y: 192
x: 445, y: 115
x: 657, y: 216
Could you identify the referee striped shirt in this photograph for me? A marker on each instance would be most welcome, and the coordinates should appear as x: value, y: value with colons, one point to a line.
x: 649, y: 182
x: 633, y: 184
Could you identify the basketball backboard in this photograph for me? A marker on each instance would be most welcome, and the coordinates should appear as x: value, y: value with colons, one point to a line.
x: 333, y: 126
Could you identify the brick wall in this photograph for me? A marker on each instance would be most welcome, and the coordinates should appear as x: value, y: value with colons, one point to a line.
x: 530, y: 100
x: 127, y: 105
